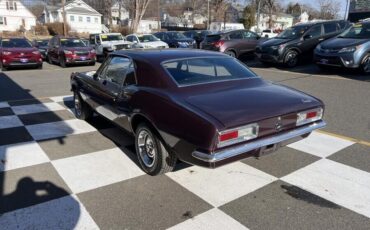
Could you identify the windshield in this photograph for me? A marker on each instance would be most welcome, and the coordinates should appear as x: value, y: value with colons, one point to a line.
x: 148, y: 38
x: 72, y: 43
x: 293, y: 32
x: 359, y: 31
x: 16, y: 43
x: 42, y: 42
x: 176, y: 35
x: 111, y: 37
x: 206, y: 70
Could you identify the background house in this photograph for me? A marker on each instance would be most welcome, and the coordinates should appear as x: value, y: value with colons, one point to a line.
x: 81, y: 17
x: 14, y: 16
x: 119, y: 14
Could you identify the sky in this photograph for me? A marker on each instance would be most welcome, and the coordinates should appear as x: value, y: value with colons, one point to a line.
x: 313, y: 3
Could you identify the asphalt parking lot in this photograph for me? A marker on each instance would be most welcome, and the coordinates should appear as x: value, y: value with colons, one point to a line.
x: 57, y: 172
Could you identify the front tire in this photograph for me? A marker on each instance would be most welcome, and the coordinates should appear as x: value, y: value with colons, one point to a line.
x: 3, y: 68
x: 62, y: 62
x: 291, y: 59
x: 82, y: 110
x: 365, y: 66
x: 231, y: 53
x: 152, y: 155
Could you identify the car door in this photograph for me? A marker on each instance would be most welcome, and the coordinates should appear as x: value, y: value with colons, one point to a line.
x: 249, y: 42
x: 108, y: 86
x: 235, y: 41
x: 311, y: 38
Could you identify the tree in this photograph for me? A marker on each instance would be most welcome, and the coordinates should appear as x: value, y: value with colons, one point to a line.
x: 328, y: 9
x: 249, y: 18
x: 137, y: 10
x: 270, y: 6
x: 294, y: 9
x: 219, y: 7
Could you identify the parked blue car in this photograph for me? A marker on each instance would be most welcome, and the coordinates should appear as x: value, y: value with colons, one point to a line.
x: 176, y: 39
x: 351, y: 49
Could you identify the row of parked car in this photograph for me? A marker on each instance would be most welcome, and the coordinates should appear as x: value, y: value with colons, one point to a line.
x: 329, y: 43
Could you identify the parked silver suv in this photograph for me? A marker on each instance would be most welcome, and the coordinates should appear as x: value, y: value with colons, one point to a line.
x: 351, y: 49
x: 108, y: 42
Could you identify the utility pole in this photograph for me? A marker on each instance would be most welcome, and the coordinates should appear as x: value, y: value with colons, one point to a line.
x: 208, y: 14
x: 258, y: 15
x: 64, y: 18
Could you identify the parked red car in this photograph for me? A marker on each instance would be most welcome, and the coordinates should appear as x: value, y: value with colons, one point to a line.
x: 18, y: 52
x: 68, y: 51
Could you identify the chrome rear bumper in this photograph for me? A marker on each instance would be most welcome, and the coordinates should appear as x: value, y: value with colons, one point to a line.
x: 250, y: 146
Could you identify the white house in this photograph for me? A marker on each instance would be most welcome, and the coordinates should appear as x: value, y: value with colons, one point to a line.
x: 81, y: 17
x: 117, y: 18
x: 14, y: 15
x: 304, y: 17
x: 279, y: 21
x: 146, y: 26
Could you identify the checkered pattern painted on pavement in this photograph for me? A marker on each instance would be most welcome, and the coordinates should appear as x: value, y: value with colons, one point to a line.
x: 57, y: 172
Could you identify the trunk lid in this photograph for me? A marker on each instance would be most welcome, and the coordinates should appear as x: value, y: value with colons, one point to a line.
x: 263, y: 103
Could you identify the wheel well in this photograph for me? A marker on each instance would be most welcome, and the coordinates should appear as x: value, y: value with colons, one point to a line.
x: 139, y: 119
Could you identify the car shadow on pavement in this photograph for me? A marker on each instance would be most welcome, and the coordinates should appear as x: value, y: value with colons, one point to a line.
x: 32, y: 194
x: 308, y: 68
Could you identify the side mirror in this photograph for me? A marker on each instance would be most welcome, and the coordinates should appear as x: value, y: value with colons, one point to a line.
x: 95, y: 76
x: 307, y: 36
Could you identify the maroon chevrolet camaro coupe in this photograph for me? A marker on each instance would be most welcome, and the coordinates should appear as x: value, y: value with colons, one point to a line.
x: 204, y: 108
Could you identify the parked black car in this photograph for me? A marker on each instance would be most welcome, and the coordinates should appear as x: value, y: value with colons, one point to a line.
x: 176, y: 39
x: 351, y: 49
x: 42, y: 46
x: 298, y: 41
x: 197, y: 35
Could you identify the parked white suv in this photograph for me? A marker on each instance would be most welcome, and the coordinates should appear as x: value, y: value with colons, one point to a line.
x: 146, y: 41
x: 268, y: 33
x: 108, y: 42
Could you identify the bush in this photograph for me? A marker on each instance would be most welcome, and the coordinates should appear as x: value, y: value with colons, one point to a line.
x: 124, y: 30
x: 56, y: 28
x: 41, y: 30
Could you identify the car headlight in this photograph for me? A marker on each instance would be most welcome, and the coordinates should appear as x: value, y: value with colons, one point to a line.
x: 36, y: 52
x: 42, y: 50
x: 92, y: 51
x: 182, y: 43
x: 7, y: 53
x: 349, y: 49
x: 318, y: 47
x: 68, y: 52
x: 280, y: 48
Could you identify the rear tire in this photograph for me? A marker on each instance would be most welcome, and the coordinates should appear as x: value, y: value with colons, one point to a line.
x: 39, y: 66
x: 92, y: 63
x: 49, y: 60
x: 291, y: 59
x: 3, y: 68
x: 152, y: 155
x: 82, y: 110
x: 230, y: 53
x: 62, y: 62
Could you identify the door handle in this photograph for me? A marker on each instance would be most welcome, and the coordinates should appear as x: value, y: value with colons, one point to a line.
x: 321, y: 39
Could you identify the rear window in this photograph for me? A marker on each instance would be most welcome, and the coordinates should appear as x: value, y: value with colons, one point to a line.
x: 15, y: 43
x: 206, y: 70
x: 330, y: 28
x: 213, y: 38
x: 72, y: 42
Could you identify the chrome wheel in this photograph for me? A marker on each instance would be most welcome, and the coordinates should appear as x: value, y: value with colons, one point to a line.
x: 78, y: 108
x: 147, y: 148
x: 291, y: 59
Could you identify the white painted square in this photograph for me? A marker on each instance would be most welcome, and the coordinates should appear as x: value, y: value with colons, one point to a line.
x: 62, y: 98
x: 63, y: 213
x: 10, y: 122
x: 224, y: 184
x: 90, y: 171
x: 21, y: 155
x: 37, y: 108
x: 321, y: 145
x: 4, y: 105
x: 213, y: 219
x: 59, y: 129
x: 336, y: 182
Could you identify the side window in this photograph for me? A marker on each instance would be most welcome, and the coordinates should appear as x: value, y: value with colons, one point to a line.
x: 129, y: 38
x: 160, y: 36
x: 249, y: 35
x: 136, y: 39
x: 130, y: 78
x: 236, y: 35
x: 315, y: 31
x: 92, y: 39
x: 97, y: 39
x: 117, y: 69
x: 330, y: 28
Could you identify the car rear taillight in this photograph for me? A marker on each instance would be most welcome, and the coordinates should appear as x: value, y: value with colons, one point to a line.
x: 218, y: 44
x: 237, y: 135
x: 309, y: 116
x: 7, y: 53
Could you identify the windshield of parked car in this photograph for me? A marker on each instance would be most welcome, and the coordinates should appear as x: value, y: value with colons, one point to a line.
x: 360, y: 31
x: 42, y: 42
x: 203, y: 70
x: 16, y: 43
x: 176, y: 35
x: 111, y: 37
x: 293, y: 32
x: 148, y: 38
x: 72, y: 43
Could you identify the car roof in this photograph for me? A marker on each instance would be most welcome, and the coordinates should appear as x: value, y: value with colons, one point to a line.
x: 161, y: 55
x: 317, y: 22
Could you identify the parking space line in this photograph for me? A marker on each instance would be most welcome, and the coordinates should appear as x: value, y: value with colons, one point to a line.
x: 358, y: 141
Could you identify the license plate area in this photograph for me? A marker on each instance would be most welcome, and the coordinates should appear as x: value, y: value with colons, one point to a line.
x: 324, y: 61
x: 23, y: 60
x: 266, y: 150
